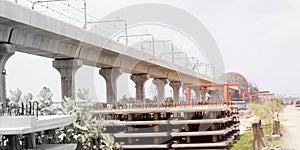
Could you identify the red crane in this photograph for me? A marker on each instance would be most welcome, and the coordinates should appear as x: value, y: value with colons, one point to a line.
x: 226, y: 85
x: 257, y: 93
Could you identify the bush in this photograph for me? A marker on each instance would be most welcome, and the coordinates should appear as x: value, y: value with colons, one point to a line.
x: 169, y: 100
x: 265, y: 112
x: 86, y: 131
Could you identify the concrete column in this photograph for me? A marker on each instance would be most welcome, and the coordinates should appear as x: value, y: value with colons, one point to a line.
x: 160, y: 85
x: 139, y: 80
x: 6, y: 51
x: 130, y: 128
x: 156, y: 129
x: 203, y: 94
x: 213, y: 127
x: 221, y: 94
x: 175, y: 85
x: 214, y: 96
x: 214, y: 137
x: 187, y: 127
x: 197, y: 92
x: 111, y: 76
x: 67, y: 69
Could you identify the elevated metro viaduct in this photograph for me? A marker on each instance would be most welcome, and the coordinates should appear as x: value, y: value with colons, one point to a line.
x: 24, y: 30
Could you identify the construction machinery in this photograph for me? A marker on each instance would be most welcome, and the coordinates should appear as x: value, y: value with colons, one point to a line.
x: 226, y: 85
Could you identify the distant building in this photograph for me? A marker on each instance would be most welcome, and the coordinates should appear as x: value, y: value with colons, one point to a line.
x: 246, y: 86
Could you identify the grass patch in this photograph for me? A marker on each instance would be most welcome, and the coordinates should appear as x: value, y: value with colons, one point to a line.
x: 265, y: 113
x: 276, y: 143
x: 271, y: 143
x: 244, y: 142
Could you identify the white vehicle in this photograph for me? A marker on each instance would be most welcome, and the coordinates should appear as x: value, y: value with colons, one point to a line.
x: 297, y: 103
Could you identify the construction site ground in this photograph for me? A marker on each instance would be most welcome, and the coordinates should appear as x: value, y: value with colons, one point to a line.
x: 289, y: 119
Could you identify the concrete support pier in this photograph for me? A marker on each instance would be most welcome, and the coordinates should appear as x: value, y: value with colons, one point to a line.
x: 67, y: 69
x: 139, y: 80
x: 130, y: 128
x: 214, y: 95
x: 6, y: 51
x: 111, y: 76
x: 157, y: 140
x: 198, y: 94
x: 175, y: 85
x: 213, y: 127
x: 187, y: 126
x: 160, y: 85
x: 203, y: 94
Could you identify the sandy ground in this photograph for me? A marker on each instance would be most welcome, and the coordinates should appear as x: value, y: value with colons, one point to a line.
x: 290, y: 118
x: 246, y: 122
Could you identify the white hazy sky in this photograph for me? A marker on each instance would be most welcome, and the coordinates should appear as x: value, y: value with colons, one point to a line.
x: 257, y: 38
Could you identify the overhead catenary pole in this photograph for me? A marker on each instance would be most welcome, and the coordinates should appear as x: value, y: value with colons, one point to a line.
x: 163, y: 41
x: 140, y: 35
x: 181, y: 58
x: 85, y: 14
x: 116, y: 20
x: 47, y: 1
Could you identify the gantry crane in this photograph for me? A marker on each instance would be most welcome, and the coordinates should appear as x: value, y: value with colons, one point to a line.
x: 226, y: 85
x: 261, y: 93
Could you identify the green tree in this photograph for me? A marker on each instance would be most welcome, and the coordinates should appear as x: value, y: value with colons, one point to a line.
x: 169, y: 100
x: 125, y: 99
x: 148, y: 100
